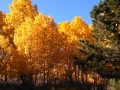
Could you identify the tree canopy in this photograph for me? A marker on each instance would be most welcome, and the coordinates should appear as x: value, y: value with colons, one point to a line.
x: 32, y: 43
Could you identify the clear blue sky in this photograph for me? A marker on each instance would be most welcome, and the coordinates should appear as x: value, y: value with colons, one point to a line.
x: 61, y: 10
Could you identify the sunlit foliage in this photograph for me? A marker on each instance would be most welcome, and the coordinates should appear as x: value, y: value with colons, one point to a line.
x: 33, y: 44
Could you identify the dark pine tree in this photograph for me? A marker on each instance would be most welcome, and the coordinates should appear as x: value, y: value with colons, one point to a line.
x: 100, y: 55
x: 106, y: 19
x: 106, y: 23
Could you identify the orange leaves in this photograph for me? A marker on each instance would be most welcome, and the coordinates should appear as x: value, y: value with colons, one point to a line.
x: 39, y: 40
x: 64, y: 27
x: 72, y: 31
x: 81, y: 29
x: 75, y: 22
x: 22, y: 7
x: 1, y: 19
x: 75, y: 30
x: 3, y: 41
x: 91, y: 27
x: 19, y: 10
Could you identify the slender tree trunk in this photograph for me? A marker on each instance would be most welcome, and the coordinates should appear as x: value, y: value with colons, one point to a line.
x: 82, y: 76
x: 86, y: 76
x: 78, y: 74
x: 5, y: 78
x: 23, y: 78
x: 35, y: 78
x: 75, y: 73
x: 48, y: 75
x: 30, y: 79
x: 6, y: 74
x: 44, y: 73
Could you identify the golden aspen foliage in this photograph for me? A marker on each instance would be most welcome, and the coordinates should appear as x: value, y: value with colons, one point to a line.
x: 7, y: 66
x: 37, y: 38
x: 3, y: 41
x: 19, y: 10
x: 72, y: 31
x: 81, y: 29
x: 2, y: 15
x: 76, y: 29
x: 91, y: 27
x: 41, y: 45
x: 24, y: 40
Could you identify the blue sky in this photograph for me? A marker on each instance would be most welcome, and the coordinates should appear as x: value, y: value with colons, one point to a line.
x: 61, y: 10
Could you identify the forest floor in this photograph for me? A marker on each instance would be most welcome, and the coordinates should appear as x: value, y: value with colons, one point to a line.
x: 73, y: 86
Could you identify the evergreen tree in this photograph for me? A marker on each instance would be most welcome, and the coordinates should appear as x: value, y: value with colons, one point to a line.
x: 107, y: 14
x: 101, y: 55
x: 106, y: 23
x: 106, y: 19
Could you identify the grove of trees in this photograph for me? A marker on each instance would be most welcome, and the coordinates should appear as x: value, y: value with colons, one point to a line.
x: 35, y: 50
